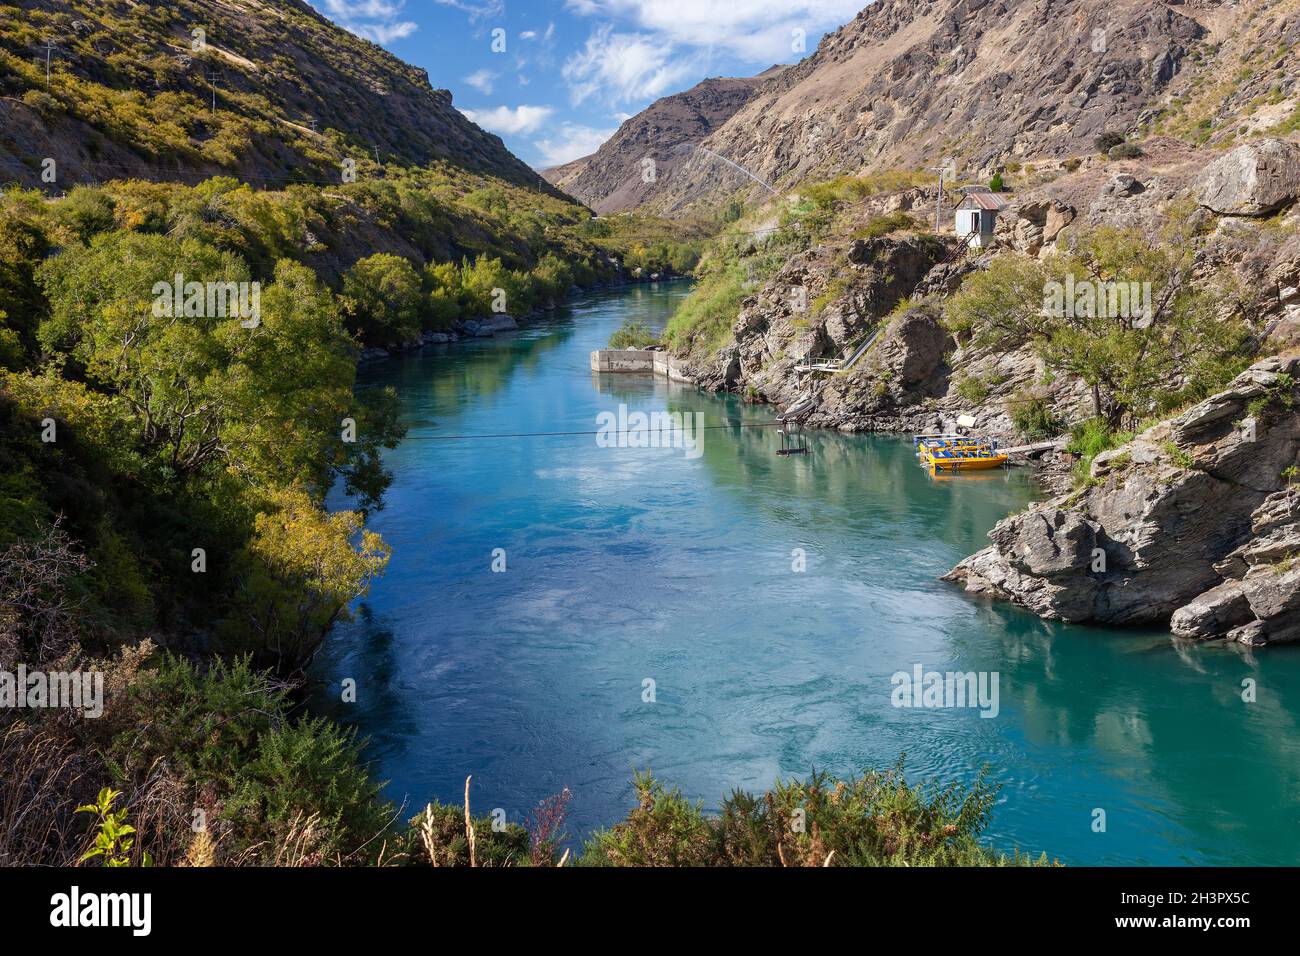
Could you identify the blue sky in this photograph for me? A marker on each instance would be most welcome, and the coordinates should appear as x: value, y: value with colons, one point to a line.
x: 555, y: 78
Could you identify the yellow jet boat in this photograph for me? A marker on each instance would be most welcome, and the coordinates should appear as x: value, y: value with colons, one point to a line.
x: 963, y: 458
x: 928, y: 443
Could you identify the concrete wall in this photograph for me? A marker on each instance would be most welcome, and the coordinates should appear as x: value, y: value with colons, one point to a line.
x: 623, y: 360
x: 639, y: 360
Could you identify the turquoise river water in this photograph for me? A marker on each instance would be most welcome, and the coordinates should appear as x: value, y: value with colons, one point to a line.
x: 631, y: 564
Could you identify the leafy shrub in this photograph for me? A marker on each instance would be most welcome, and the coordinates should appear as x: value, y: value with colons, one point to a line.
x: 113, y: 839
x: 1190, y: 342
x: 1033, y: 416
x: 551, y: 279
x: 274, y: 785
x: 876, y: 819
x: 437, y: 837
x: 1090, y: 438
x: 85, y: 211
x: 973, y: 389
x: 1105, y: 142
x: 442, y: 287
x: 884, y: 225
x: 632, y: 335
x: 703, y: 321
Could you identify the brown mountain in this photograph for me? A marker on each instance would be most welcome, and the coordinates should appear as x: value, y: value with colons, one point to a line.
x: 612, y: 179
x: 131, y: 93
x: 913, y: 83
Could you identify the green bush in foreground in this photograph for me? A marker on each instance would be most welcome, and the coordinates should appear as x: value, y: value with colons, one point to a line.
x: 875, y: 819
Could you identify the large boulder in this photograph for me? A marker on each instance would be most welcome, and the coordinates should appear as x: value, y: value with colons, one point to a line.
x: 1029, y: 226
x: 1255, y: 179
x: 1189, y: 505
x: 1263, y: 608
x: 1259, y: 602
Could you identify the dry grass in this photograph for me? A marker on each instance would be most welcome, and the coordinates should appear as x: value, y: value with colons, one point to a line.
x: 42, y: 779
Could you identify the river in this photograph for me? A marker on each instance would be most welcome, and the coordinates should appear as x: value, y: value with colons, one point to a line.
x: 628, y: 565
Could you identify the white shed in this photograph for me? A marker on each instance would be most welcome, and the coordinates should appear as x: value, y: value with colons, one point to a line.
x: 977, y: 214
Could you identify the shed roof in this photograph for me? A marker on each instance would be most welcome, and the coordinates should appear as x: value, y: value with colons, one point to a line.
x: 982, y: 200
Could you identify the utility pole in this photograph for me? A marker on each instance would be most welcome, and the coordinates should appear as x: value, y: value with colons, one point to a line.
x: 938, y: 202
x: 311, y: 120
x: 50, y: 47
x: 213, y: 76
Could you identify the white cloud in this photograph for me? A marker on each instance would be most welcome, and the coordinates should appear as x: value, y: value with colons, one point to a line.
x: 376, y: 20
x: 757, y: 30
x: 625, y: 67
x: 571, y: 142
x: 477, y: 9
x: 481, y: 80
x: 511, y: 122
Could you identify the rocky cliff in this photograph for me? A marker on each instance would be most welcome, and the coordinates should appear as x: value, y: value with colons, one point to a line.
x: 1194, y: 524
x: 132, y: 89
x: 614, y: 178
x: 916, y: 83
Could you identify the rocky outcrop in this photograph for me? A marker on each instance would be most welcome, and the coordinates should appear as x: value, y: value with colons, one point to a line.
x: 905, y: 365
x: 1029, y: 226
x: 817, y: 307
x: 489, y: 326
x: 1259, y: 602
x: 1255, y: 179
x: 1189, y: 524
x: 615, y: 177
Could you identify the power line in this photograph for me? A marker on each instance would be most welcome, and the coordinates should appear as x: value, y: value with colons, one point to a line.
x: 564, y: 434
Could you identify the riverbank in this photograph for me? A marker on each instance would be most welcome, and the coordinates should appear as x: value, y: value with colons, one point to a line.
x: 490, y: 325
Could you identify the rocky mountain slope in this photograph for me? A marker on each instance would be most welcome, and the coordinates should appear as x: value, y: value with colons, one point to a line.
x: 132, y: 84
x: 982, y: 83
x: 1195, y: 523
x: 612, y: 179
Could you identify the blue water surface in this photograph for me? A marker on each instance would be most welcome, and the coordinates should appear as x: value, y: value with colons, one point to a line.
x: 625, y: 565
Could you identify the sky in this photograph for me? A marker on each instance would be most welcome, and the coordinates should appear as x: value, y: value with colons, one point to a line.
x: 555, y: 78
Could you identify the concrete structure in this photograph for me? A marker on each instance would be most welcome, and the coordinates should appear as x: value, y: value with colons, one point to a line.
x: 652, y: 361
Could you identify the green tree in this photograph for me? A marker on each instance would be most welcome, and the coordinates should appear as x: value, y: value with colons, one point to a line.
x: 488, y: 284
x: 209, y: 396
x: 1177, y: 338
x: 383, y: 300
x: 298, y: 574
x: 445, y: 296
